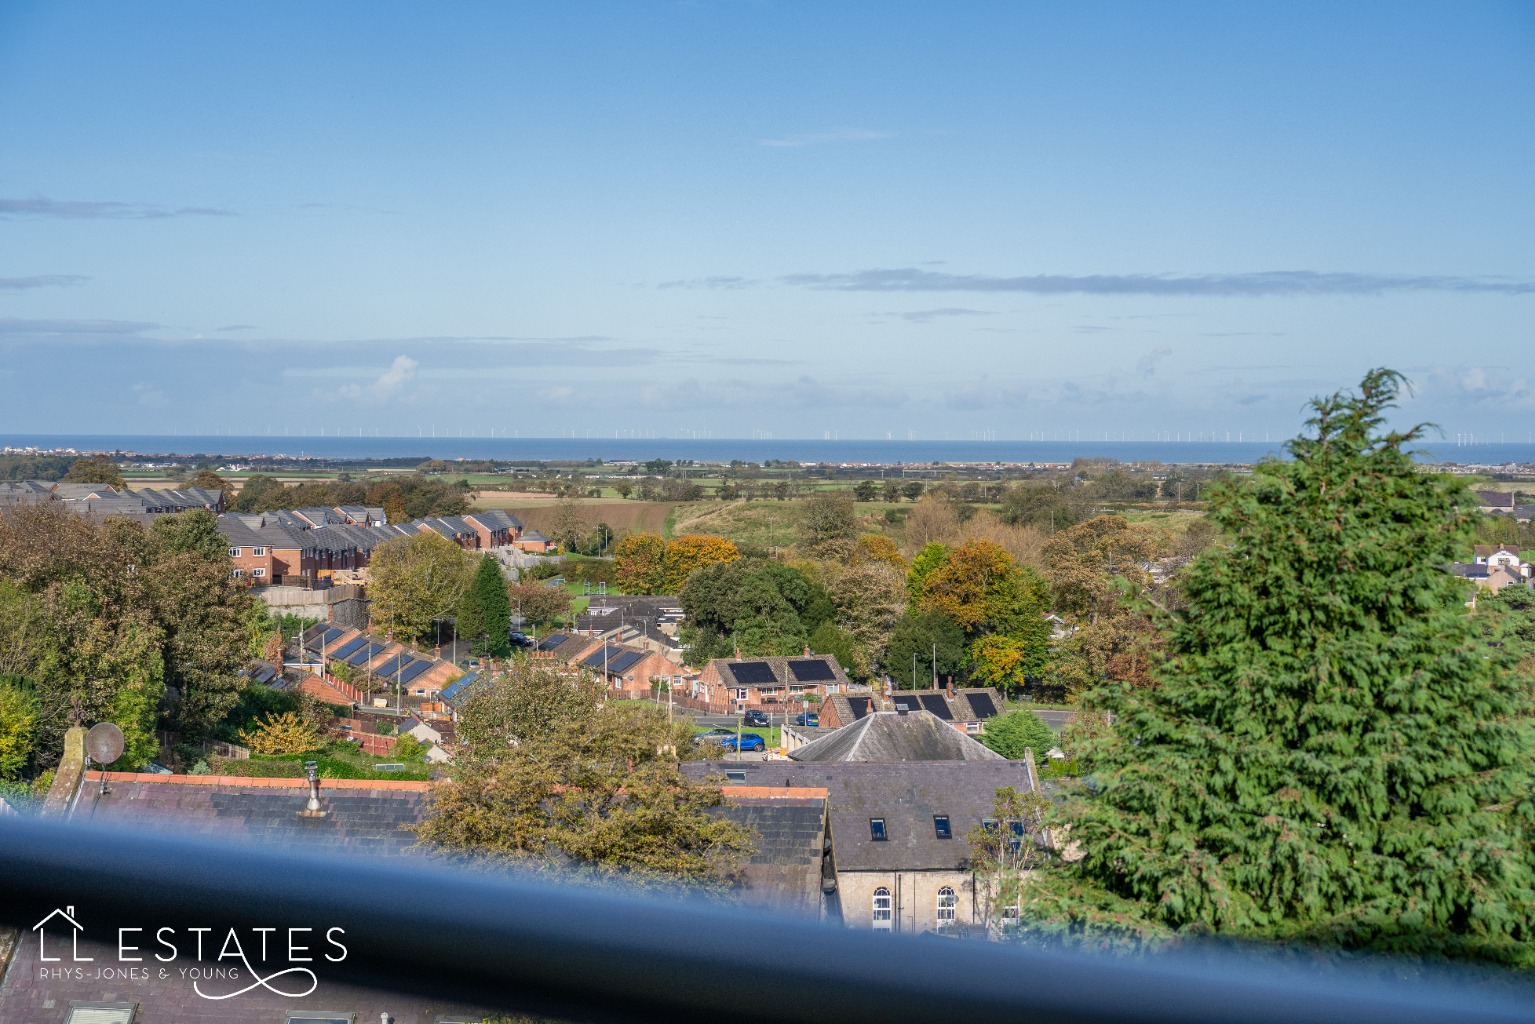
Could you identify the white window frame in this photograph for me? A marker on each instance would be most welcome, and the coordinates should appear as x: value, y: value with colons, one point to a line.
x: 882, y: 908
x: 234, y: 552
x: 258, y: 572
x: 948, y: 907
x: 258, y: 552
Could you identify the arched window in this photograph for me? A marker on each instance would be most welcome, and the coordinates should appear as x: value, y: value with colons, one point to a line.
x: 882, y: 909
x: 947, y: 903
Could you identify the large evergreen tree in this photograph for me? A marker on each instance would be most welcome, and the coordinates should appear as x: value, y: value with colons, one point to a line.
x: 484, y: 612
x: 1331, y: 757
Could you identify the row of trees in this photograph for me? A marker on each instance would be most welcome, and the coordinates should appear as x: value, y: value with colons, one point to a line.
x: 401, y: 497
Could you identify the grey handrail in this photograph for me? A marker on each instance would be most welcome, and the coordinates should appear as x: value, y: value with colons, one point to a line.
x: 420, y: 926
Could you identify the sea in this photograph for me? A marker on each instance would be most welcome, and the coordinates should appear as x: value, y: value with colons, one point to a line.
x: 228, y: 448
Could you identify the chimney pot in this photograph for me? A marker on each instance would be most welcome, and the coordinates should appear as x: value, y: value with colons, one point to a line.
x: 70, y: 910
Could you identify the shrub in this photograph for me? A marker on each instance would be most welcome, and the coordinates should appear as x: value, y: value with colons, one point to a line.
x: 286, y: 733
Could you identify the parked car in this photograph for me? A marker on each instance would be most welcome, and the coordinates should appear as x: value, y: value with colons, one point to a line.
x: 756, y: 718
x: 715, y: 736
x: 749, y: 741
x: 521, y: 640
x: 808, y: 718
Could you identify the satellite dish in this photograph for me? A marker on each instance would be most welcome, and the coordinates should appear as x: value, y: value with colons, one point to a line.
x: 104, y: 743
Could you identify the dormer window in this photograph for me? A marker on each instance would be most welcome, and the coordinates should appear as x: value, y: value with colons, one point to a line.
x: 877, y: 830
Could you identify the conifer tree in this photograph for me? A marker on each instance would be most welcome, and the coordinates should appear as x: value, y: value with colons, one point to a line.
x: 1331, y: 758
x: 485, y: 612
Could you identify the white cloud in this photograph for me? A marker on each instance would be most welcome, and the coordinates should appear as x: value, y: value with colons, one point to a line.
x: 390, y: 384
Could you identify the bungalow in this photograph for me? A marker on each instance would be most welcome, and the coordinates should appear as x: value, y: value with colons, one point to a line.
x: 533, y: 542
x: 730, y: 685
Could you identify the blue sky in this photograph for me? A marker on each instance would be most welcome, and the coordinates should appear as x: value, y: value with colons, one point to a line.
x: 750, y: 218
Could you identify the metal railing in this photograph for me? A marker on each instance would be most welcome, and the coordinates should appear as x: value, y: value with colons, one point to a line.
x: 584, y: 954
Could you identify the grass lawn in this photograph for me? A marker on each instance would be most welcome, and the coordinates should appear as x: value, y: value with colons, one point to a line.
x: 340, y: 760
x: 772, y: 737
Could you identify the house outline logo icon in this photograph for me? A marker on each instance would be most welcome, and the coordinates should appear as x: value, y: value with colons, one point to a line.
x: 68, y: 914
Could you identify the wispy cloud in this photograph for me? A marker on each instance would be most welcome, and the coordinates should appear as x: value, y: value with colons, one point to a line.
x: 75, y: 209
x: 389, y: 384
x: 922, y: 316
x: 710, y: 282
x: 1267, y: 283
x: 1146, y: 365
x: 234, y: 327
x: 16, y: 284
x: 19, y: 327
x: 824, y: 138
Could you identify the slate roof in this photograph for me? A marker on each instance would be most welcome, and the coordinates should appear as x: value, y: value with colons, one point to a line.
x: 366, y: 817
x: 371, y: 817
x: 789, y: 841
x: 1495, y: 499
x: 906, y: 796
x: 496, y: 519
x: 891, y: 737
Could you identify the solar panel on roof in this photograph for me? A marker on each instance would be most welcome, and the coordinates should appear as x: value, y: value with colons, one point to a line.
x: 413, y: 669
x: 982, y: 704
x: 365, y: 655
x: 935, y: 703
x: 549, y: 643
x: 459, y: 686
x: 331, y: 632
x: 859, y: 706
x: 753, y: 672
x: 906, y: 702
x: 811, y: 671
x: 624, y: 661
x: 349, y: 647
x: 395, y: 665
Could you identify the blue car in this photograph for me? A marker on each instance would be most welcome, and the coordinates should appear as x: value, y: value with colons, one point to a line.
x: 749, y: 741
x: 809, y: 719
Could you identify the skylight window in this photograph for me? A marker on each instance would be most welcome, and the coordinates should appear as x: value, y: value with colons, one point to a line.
x: 877, y: 830
x: 941, y: 826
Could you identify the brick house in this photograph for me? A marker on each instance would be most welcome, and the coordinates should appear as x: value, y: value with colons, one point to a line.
x: 729, y: 685
x: 966, y: 708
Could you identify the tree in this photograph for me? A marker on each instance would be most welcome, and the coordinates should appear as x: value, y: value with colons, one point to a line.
x: 932, y: 521
x: 1004, y: 851
x: 18, y: 726
x: 869, y: 598
x: 637, y: 563
x: 876, y: 547
x: 95, y: 469
x: 210, y: 481
x: 1013, y: 732
x: 1043, y: 505
x: 484, y: 613
x: 687, y: 554
x: 828, y: 639
x: 414, y: 581
x: 914, y: 640
x: 285, y: 733
x: 1085, y: 563
x: 552, y: 778
x: 911, y: 490
x: 568, y: 524
x: 195, y: 531
x: 1006, y: 661
x: 979, y: 586
x: 866, y: 490
x: 538, y: 603
x: 1332, y: 756
x: 929, y: 558
x: 761, y: 608
x: 826, y: 517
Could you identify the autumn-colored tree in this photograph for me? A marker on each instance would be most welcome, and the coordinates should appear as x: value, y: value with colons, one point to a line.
x: 551, y: 778
x: 1024, y: 542
x: 414, y: 581
x: 932, y: 521
x: 286, y: 733
x: 95, y: 469
x: 1005, y: 661
x: 208, y: 480
x: 568, y: 524
x: 687, y: 554
x: 537, y: 602
x: 869, y: 598
x: 1084, y: 562
x: 876, y: 547
x: 638, y: 563
x: 980, y: 587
